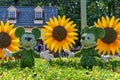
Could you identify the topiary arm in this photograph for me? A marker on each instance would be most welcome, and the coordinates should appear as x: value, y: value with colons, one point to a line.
x: 95, y: 53
x: 36, y: 54
x: 78, y: 53
x: 17, y: 53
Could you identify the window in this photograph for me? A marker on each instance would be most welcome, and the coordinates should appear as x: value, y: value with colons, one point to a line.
x: 12, y: 15
x: 38, y: 15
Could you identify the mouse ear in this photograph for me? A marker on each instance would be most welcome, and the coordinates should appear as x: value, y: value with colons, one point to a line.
x: 100, y: 32
x: 36, y: 32
x: 85, y: 29
x: 19, y: 31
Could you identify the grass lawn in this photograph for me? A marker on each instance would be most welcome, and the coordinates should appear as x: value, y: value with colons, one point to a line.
x: 67, y: 69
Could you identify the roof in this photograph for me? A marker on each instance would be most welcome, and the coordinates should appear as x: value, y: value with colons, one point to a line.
x: 12, y: 8
x: 26, y: 15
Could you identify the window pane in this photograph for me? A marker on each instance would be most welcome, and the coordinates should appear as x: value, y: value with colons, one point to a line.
x: 12, y: 15
x: 38, y: 15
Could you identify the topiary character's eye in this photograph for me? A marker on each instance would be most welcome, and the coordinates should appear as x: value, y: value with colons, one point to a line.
x: 91, y: 36
x: 88, y: 37
x: 25, y: 38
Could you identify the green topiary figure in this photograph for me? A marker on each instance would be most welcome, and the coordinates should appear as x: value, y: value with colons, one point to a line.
x: 27, y: 41
x: 89, y: 36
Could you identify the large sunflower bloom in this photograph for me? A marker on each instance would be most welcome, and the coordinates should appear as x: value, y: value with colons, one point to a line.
x: 59, y: 34
x: 110, y: 44
x: 7, y: 38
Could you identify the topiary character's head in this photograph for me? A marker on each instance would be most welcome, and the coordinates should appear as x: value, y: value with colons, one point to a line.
x: 89, y: 36
x: 27, y: 39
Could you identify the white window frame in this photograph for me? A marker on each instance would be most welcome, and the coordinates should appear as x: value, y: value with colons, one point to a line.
x: 38, y: 15
x: 12, y: 14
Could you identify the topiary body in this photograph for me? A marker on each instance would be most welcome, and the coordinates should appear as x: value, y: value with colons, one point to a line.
x: 27, y: 42
x: 90, y: 56
x: 27, y: 58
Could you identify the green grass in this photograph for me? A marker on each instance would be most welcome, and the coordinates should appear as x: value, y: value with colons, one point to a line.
x: 67, y: 69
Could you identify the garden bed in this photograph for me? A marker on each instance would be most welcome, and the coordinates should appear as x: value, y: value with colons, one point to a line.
x: 67, y: 69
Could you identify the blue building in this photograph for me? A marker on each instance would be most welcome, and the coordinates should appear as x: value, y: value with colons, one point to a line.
x: 27, y: 16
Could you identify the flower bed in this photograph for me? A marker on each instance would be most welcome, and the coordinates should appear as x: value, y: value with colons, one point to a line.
x: 67, y: 69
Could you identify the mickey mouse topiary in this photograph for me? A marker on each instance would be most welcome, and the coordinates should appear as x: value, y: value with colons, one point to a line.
x: 89, y: 37
x: 27, y: 41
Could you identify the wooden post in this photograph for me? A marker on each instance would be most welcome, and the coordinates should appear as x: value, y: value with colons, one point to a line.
x: 83, y: 14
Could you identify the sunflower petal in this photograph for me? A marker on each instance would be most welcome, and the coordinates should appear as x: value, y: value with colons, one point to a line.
x: 66, y: 22
x: 11, y: 27
x: 108, y: 51
x: 6, y: 28
x: 1, y: 53
x: 117, y: 50
x: 117, y: 28
x: 12, y: 33
x: 53, y: 45
x: 96, y: 24
x: 73, y: 25
x: 59, y: 50
x: 48, y: 40
x: 13, y: 48
x: 47, y: 34
x: 15, y: 42
x: 63, y: 21
x: 2, y: 26
x: 73, y: 33
x: 59, y: 20
x: 70, y: 45
x: 48, y: 28
x: 56, y: 49
x: 107, y: 21
x: 70, y: 40
x: 112, y: 21
x: 113, y: 51
x: 65, y: 46
x: 103, y: 22
x: 116, y: 22
x: 69, y: 24
x: 52, y: 23
x: 56, y: 21
x: 99, y: 22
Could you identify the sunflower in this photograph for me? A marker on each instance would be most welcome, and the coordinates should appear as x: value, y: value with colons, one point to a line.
x: 110, y: 44
x: 7, y: 38
x: 59, y: 34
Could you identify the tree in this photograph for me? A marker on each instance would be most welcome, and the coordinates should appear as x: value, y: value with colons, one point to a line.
x: 16, y: 1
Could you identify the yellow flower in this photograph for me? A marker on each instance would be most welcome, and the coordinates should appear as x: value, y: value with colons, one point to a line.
x: 110, y: 44
x: 7, y: 38
x: 59, y: 34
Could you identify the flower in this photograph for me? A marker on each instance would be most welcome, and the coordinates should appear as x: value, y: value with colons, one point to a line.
x: 110, y: 44
x: 59, y: 34
x: 7, y: 38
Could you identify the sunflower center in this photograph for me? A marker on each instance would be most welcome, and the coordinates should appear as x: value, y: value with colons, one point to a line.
x: 59, y: 33
x: 110, y: 35
x: 5, y: 40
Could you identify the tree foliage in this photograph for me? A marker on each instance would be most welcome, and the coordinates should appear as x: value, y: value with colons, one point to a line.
x: 71, y: 8
x: 98, y: 8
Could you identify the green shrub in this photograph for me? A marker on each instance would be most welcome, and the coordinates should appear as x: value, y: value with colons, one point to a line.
x: 56, y: 69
